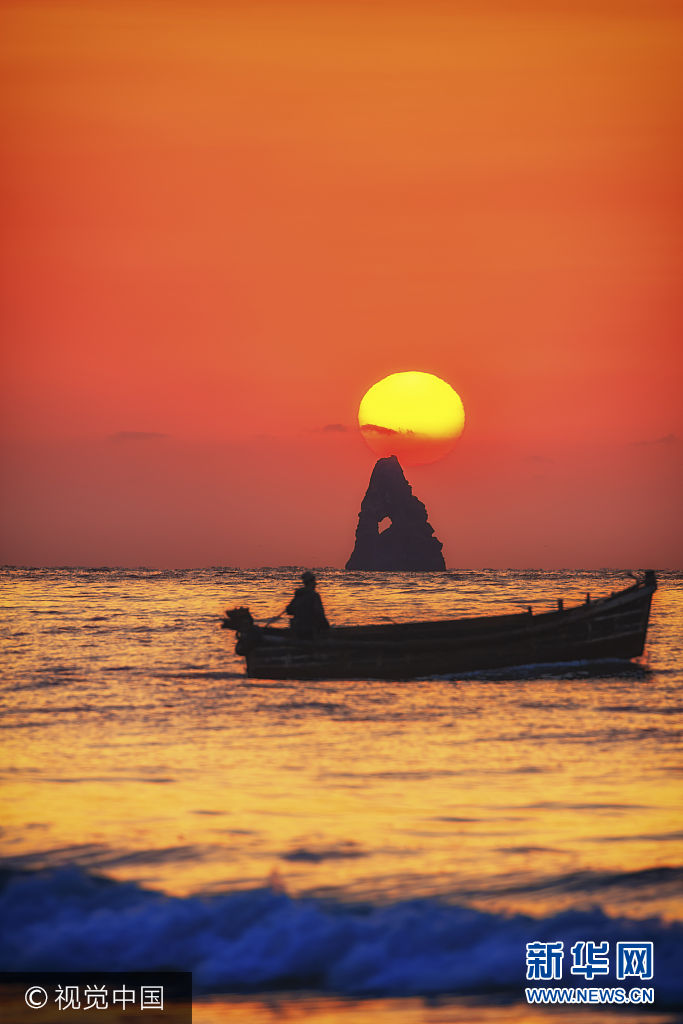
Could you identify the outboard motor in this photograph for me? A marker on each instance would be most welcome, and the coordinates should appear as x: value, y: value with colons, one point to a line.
x: 237, y: 619
x: 242, y: 622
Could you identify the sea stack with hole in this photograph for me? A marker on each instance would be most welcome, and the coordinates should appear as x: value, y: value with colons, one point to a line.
x: 408, y: 544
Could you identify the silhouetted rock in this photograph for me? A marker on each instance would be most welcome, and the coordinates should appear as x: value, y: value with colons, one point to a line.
x: 408, y: 544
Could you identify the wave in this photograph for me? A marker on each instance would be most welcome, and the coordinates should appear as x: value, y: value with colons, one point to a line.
x: 603, y: 667
x: 263, y: 940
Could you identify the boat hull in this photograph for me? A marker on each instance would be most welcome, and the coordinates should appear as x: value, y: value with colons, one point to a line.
x: 613, y: 627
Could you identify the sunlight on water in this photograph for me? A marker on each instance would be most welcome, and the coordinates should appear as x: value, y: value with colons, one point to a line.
x: 279, y: 1010
x: 135, y: 747
x: 141, y: 751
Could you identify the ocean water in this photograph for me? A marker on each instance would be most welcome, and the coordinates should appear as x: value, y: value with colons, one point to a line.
x: 335, y: 852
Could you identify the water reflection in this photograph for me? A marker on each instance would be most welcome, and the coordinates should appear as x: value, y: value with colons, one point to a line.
x: 135, y: 746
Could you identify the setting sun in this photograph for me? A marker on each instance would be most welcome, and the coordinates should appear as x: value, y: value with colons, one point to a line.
x: 413, y: 415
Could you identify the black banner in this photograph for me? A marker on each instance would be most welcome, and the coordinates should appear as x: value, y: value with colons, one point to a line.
x: 110, y: 997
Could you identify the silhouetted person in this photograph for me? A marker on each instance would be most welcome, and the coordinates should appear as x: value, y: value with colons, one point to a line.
x: 306, y: 609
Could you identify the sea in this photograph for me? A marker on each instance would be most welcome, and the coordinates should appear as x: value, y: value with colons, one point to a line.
x: 344, y: 852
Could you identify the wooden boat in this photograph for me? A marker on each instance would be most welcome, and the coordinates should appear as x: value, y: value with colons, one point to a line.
x: 612, y: 627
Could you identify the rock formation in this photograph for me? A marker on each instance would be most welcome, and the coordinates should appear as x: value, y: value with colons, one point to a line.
x: 407, y: 543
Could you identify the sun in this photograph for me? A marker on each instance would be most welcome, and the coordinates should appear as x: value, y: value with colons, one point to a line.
x: 416, y: 416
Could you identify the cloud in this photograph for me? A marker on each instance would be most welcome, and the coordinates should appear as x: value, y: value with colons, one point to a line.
x: 136, y: 435
x: 668, y: 439
x: 373, y: 428
x: 332, y: 428
x: 335, y: 428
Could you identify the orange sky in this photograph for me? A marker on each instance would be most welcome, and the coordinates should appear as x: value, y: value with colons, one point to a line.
x: 225, y: 221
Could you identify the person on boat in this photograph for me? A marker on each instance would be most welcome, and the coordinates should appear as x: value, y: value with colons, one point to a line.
x: 306, y: 610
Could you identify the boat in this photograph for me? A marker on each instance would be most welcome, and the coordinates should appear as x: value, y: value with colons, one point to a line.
x: 613, y: 627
